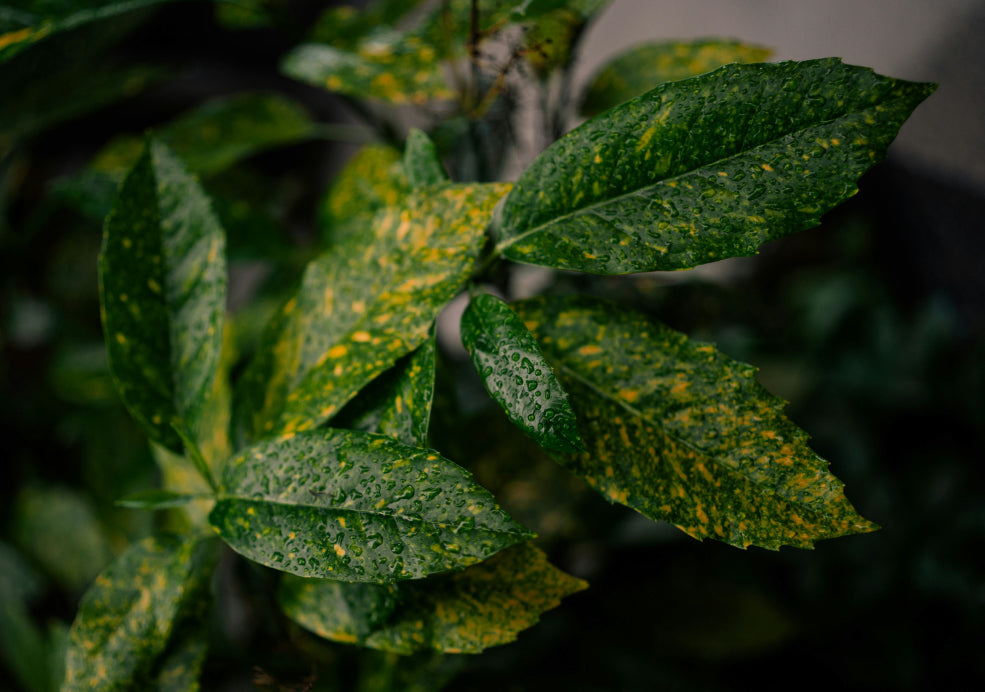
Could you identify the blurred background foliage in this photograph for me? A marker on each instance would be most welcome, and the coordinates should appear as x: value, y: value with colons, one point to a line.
x: 872, y: 326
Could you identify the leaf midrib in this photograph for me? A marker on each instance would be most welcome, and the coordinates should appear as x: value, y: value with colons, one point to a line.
x: 509, y: 242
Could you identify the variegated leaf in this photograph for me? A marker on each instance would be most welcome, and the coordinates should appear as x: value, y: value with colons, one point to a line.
x: 679, y: 432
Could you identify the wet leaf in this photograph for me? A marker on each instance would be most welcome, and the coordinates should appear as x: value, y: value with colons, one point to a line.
x: 361, y: 306
x: 355, y: 506
x: 398, y: 402
x: 644, y: 66
x: 127, y: 616
x: 679, y: 432
x: 372, y: 180
x: 163, y: 290
x: 485, y: 605
x: 516, y: 375
x: 704, y: 168
x: 421, y: 162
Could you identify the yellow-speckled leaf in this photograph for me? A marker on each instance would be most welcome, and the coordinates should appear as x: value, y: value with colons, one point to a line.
x: 162, y: 279
x: 372, y: 179
x: 705, y: 168
x: 127, y: 616
x: 361, y: 306
x: 644, y: 66
x: 359, y: 507
x: 680, y: 432
x: 466, y: 612
x: 344, y: 26
x: 398, y: 402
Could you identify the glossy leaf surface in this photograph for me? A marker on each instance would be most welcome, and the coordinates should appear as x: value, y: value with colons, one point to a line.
x: 679, y: 432
x: 465, y: 612
x: 162, y: 278
x: 421, y: 162
x: 704, y: 168
x: 516, y: 375
x: 644, y: 66
x: 355, y: 506
x: 398, y: 402
x: 373, y: 179
x: 361, y: 306
x: 127, y: 616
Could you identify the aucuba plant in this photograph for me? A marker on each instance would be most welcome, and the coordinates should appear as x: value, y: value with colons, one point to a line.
x: 308, y: 451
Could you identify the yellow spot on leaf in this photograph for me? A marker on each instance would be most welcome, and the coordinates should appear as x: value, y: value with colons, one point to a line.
x: 337, y: 351
x: 361, y: 337
x: 339, y: 550
x: 767, y: 167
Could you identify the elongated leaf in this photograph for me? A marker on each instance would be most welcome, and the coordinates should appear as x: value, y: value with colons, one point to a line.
x: 344, y: 26
x: 516, y: 375
x: 680, y: 432
x: 398, y: 402
x: 362, y: 306
x: 373, y: 179
x: 704, y: 168
x: 126, y: 618
x: 49, y: 18
x: 421, y: 161
x: 156, y: 499
x: 466, y: 612
x: 162, y: 285
x: 355, y: 506
x: 642, y: 67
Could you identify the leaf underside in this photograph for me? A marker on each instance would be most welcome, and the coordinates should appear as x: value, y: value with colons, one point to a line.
x: 705, y: 168
x: 485, y: 605
x: 516, y: 375
x: 356, y: 506
x: 162, y: 276
x: 363, y: 305
x: 679, y: 432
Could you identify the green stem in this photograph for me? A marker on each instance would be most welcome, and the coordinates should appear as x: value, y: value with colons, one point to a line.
x: 195, y: 455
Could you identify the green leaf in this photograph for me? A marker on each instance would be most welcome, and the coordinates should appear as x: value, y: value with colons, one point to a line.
x: 181, y: 667
x: 704, y: 168
x: 344, y: 26
x: 680, y: 432
x: 644, y: 66
x: 47, y: 19
x: 42, y: 514
x: 373, y: 179
x: 516, y: 375
x: 465, y: 612
x: 421, y: 162
x: 126, y: 618
x: 157, y: 499
x: 162, y: 278
x: 390, y: 67
x: 398, y: 402
x: 356, y: 506
x: 361, y: 306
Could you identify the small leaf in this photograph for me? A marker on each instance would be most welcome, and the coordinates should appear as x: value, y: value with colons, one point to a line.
x: 398, y: 402
x: 679, y: 432
x: 516, y: 375
x: 354, y: 506
x: 390, y: 67
x: 126, y: 617
x: 372, y: 180
x: 485, y: 605
x: 704, y: 168
x: 362, y: 306
x: 157, y: 499
x: 162, y: 278
x: 642, y: 67
x: 421, y: 161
